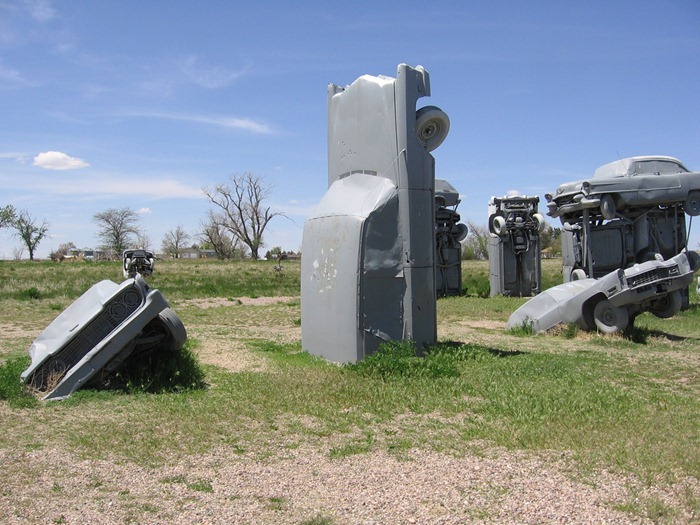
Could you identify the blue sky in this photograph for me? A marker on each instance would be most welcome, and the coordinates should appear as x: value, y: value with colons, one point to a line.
x: 144, y: 103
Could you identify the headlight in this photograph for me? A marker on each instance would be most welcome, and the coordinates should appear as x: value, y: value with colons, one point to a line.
x: 585, y: 187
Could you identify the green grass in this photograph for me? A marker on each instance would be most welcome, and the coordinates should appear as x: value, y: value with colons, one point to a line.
x: 11, y: 391
x: 585, y: 402
x: 628, y: 403
x: 175, y: 278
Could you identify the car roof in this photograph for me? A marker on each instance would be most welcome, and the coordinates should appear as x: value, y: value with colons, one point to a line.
x: 621, y: 167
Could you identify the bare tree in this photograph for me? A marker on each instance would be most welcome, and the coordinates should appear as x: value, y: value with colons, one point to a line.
x: 64, y: 248
x: 30, y: 231
x: 476, y: 245
x: 143, y: 240
x: 116, y: 228
x: 242, y: 208
x: 214, y: 234
x: 175, y: 241
x: 7, y: 216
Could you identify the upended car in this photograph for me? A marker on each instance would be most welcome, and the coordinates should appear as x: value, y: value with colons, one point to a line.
x: 138, y: 261
x: 93, y: 337
x: 611, y: 303
x: 628, y: 184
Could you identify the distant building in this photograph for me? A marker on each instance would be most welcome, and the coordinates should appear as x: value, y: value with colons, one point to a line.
x: 196, y: 253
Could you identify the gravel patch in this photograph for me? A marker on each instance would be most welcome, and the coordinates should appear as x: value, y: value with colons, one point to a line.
x: 500, y: 487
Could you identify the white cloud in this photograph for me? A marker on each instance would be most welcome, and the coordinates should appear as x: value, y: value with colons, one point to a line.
x: 226, y: 122
x: 144, y: 211
x: 209, y: 77
x: 55, y: 160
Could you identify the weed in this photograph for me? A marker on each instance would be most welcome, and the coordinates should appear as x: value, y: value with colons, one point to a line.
x: 523, y: 329
x: 11, y: 390
x: 570, y: 331
x: 30, y: 294
x: 201, y: 485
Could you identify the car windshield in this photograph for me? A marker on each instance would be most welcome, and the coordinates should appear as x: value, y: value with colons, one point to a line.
x: 657, y: 167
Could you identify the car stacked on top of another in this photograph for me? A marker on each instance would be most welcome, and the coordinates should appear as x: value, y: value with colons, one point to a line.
x: 627, y: 185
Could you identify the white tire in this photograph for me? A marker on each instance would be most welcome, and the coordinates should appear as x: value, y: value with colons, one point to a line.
x: 432, y: 127
x: 610, y: 319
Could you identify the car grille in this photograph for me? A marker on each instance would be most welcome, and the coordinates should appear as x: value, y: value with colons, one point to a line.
x: 652, y: 276
x: 113, y: 314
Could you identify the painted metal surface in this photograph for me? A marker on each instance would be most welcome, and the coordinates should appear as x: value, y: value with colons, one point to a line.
x: 368, y: 265
x: 97, y: 332
x: 628, y: 184
x: 514, y: 246
x: 653, y: 286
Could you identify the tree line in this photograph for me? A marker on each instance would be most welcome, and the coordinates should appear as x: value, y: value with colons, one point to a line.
x: 234, y: 228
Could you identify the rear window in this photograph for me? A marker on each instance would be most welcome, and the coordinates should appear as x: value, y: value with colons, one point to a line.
x: 658, y: 167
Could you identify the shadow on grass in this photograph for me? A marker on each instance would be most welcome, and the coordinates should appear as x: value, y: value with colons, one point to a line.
x: 496, y: 352
x: 641, y: 335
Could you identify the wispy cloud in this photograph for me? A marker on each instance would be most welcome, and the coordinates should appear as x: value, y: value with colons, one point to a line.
x: 99, y: 186
x: 20, y: 158
x: 209, y: 77
x: 11, y: 75
x: 56, y: 160
x: 244, y: 124
x: 40, y: 10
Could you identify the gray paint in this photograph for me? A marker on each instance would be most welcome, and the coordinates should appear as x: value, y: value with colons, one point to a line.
x: 96, y: 333
x: 449, y: 233
x: 368, y: 265
x: 643, y: 287
x: 594, y: 248
x: 514, y: 246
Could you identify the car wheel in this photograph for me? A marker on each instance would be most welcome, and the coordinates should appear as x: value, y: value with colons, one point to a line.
x: 668, y: 305
x: 175, y: 327
x: 692, y: 204
x: 578, y: 274
x: 462, y: 232
x: 539, y: 221
x: 498, y: 225
x: 432, y: 126
x: 607, y: 207
x: 608, y: 318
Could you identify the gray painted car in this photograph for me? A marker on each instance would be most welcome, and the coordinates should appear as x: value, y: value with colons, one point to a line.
x: 626, y: 184
x: 93, y: 336
x: 611, y: 303
x: 138, y: 261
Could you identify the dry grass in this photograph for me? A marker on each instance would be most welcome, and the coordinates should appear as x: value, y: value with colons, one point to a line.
x: 279, y: 439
